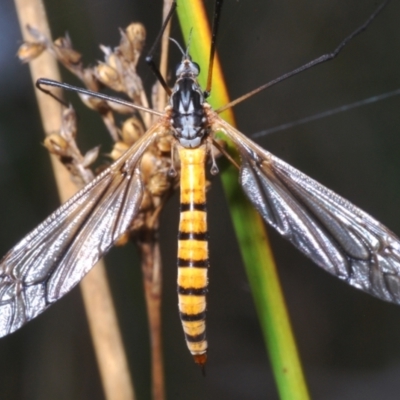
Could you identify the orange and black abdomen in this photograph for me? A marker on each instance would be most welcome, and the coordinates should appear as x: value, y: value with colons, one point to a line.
x: 193, y: 251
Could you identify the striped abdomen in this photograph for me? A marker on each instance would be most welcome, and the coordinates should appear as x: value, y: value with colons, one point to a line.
x: 193, y: 251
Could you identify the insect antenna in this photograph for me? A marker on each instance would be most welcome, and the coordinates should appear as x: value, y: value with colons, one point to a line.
x: 66, y: 86
x: 319, y: 60
x: 178, y: 45
x: 215, y: 26
x: 150, y: 56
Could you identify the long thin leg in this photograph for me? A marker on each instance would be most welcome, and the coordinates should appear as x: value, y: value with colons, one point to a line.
x: 66, y: 86
x: 215, y: 26
x: 149, y: 58
x: 319, y: 60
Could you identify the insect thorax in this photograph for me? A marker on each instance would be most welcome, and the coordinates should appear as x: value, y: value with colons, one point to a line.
x: 188, y: 117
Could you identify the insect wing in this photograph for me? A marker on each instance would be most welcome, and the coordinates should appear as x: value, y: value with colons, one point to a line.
x: 55, y: 256
x: 335, y: 234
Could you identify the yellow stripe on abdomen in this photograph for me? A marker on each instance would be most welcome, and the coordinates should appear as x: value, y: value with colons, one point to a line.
x: 193, y: 251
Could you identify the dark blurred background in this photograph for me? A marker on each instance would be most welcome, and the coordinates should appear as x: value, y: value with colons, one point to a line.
x: 349, y: 342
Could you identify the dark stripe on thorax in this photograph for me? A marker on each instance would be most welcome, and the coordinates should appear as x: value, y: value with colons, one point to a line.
x: 193, y: 263
x: 192, y: 291
x: 193, y: 207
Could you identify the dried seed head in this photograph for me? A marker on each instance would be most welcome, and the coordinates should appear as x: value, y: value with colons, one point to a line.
x: 136, y: 34
x: 119, y: 108
x: 89, y: 79
x: 164, y: 144
x: 148, y: 165
x: 55, y: 144
x: 158, y: 184
x: 90, y: 157
x: 113, y: 61
x: 126, y: 50
x: 93, y: 103
x: 133, y: 86
x: 65, y: 53
x: 29, y: 51
x: 68, y: 124
x: 132, y: 130
x: 109, y: 76
x: 132, y: 42
x: 147, y: 201
x: 118, y: 149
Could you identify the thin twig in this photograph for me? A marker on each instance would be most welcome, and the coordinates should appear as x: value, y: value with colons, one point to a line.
x: 162, y: 96
x: 150, y: 251
x: 152, y: 278
x: 100, y: 311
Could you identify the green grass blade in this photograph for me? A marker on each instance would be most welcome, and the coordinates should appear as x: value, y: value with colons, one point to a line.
x: 250, y: 231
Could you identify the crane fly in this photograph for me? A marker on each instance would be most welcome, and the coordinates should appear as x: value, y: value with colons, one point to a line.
x: 335, y: 234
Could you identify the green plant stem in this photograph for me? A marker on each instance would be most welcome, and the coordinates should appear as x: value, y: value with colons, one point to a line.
x: 250, y: 231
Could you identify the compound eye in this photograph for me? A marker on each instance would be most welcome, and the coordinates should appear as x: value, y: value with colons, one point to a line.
x: 179, y: 69
x: 197, y: 66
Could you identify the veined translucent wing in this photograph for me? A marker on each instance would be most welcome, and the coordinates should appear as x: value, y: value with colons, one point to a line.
x: 335, y: 234
x: 55, y: 256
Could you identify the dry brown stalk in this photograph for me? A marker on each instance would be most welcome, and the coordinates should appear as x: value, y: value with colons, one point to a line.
x: 102, y: 319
